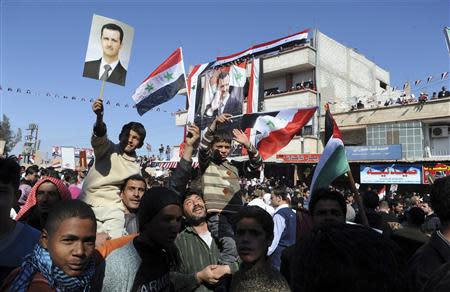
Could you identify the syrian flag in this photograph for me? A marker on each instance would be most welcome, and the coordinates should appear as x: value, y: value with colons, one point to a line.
x: 274, y: 130
x: 429, y: 78
x: 252, y: 99
x: 417, y: 82
x: 333, y: 161
x: 264, y: 47
x: 444, y: 75
x: 162, y: 84
x: 192, y: 88
x: 382, y: 193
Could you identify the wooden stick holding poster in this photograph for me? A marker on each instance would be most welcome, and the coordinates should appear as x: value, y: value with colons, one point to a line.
x: 101, y: 90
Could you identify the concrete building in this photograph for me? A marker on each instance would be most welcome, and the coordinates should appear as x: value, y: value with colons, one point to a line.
x: 325, y: 71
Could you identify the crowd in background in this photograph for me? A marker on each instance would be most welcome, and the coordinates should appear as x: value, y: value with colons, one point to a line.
x: 216, y: 227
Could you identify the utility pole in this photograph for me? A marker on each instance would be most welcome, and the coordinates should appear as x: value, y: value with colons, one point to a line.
x: 31, y: 144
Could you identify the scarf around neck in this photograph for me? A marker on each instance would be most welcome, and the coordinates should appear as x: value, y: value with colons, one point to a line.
x: 39, y: 261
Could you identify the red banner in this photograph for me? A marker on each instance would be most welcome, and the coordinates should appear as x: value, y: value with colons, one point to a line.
x: 435, y: 172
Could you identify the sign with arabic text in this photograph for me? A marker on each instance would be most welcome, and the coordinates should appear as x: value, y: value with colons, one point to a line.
x: 391, y: 174
x: 374, y: 152
x: 299, y: 158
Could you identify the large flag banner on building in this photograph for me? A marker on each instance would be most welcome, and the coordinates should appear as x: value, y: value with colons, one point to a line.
x: 223, y: 92
x: 264, y: 47
x: 333, y: 162
x: 252, y: 98
x: 192, y: 88
x: 162, y: 84
x: 274, y: 130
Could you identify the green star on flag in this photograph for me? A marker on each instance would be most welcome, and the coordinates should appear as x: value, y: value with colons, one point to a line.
x: 270, y: 124
x: 238, y: 76
x: 149, y: 87
x: 168, y: 76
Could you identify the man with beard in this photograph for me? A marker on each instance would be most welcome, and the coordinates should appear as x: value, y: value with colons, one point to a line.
x: 198, y: 250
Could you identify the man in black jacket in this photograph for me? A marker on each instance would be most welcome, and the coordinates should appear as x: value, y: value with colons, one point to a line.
x: 436, y: 252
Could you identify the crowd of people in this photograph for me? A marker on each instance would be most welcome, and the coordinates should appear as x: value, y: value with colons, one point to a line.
x: 218, y: 227
x: 405, y: 99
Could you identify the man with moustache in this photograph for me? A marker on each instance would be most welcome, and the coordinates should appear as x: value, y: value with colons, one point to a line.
x: 198, y: 250
x: 131, y: 193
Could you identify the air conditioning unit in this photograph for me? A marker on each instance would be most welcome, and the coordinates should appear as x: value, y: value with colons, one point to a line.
x: 439, y: 131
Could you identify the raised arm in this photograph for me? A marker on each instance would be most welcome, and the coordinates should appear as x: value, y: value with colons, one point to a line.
x: 182, y: 174
x: 99, y: 140
x: 254, y: 162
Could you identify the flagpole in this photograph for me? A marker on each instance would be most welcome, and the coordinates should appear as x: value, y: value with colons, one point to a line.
x: 184, y: 74
x: 188, y: 94
x: 359, y: 202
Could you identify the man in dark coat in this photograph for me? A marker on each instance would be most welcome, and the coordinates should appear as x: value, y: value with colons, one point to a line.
x: 427, y: 260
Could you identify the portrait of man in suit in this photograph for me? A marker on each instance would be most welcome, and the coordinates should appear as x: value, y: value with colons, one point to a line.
x: 226, y: 98
x: 108, y: 67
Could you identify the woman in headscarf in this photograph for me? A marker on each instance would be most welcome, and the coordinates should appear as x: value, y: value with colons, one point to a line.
x: 46, y: 192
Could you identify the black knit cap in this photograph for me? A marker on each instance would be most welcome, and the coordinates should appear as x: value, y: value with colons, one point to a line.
x: 153, y: 201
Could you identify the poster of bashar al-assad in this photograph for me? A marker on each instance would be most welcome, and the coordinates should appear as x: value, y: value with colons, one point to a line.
x: 223, y: 91
x: 109, y: 50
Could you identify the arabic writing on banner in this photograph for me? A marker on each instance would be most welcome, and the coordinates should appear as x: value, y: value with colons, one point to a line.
x: 375, y: 152
x: 436, y: 171
x: 299, y: 158
x: 391, y: 174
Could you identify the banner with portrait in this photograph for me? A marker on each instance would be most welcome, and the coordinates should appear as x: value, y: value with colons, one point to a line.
x: 433, y: 172
x: 223, y: 92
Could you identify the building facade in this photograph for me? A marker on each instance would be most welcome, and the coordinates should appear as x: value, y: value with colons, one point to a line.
x: 322, y: 71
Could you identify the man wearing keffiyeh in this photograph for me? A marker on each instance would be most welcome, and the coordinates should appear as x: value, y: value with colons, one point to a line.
x: 63, y: 260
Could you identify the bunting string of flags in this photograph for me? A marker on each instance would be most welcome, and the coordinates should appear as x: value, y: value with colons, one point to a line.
x: 444, y: 75
x: 109, y: 102
x: 430, y: 80
x: 418, y: 85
